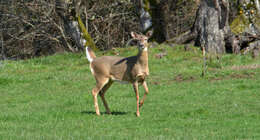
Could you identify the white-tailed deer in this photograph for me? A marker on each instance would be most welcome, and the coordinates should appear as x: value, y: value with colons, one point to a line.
x: 107, y: 69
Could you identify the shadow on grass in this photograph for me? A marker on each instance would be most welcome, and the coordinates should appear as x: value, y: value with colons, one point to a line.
x: 104, y: 113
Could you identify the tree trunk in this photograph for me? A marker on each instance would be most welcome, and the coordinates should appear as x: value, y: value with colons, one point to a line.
x: 70, y: 25
x: 211, y: 25
x: 158, y: 20
x: 257, y: 5
x: 151, y: 16
x: 2, y: 47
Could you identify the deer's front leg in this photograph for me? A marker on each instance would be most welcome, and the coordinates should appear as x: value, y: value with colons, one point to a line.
x: 146, y: 92
x: 135, y: 85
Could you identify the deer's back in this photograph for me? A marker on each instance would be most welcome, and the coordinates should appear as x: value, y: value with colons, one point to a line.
x: 115, y: 67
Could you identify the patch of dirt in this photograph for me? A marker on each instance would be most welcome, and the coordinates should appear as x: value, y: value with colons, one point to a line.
x: 160, y: 55
x: 181, y: 78
x: 252, y: 66
x: 155, y: 83
x: 240, y: 76
x: 235, y: 76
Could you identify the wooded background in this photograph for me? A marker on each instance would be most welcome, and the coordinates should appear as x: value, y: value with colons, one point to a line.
x: 31, y: 28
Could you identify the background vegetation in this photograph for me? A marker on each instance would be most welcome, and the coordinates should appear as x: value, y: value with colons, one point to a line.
x: 30, y: 28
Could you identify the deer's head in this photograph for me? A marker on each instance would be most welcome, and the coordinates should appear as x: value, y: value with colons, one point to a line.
x: 142, y: 39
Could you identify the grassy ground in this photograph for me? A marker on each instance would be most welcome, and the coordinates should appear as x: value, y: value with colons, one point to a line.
x: 49, y: 98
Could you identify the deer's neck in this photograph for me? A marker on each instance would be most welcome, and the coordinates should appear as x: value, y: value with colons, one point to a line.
x: 143, y: 59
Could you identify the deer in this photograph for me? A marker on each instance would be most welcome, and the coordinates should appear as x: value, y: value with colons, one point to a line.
x: 108, y: 69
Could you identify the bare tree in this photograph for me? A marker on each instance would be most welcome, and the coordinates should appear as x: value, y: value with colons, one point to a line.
x: 257, y: 4
x: 211, y: 25
x: 32, y: 28
x: 151, y: 17
x: 2, y: 49
x: 43, y: 27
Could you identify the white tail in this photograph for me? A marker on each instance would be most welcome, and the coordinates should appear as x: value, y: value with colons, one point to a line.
x: 107, y: 69
x: 90, y: 54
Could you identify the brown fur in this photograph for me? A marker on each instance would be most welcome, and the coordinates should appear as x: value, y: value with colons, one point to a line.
x: 107, y: 69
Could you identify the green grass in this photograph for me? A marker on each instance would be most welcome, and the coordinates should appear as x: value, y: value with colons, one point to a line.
x: 49, y: 98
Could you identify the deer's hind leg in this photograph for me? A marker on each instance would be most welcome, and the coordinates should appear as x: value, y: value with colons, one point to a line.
x: 100, y: 83
x: 102, y: 95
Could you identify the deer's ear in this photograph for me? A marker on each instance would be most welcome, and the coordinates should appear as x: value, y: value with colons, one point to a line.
x: 149, y: 34
x: 134, y: 35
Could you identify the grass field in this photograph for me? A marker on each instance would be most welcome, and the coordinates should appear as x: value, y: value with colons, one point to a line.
x: 49, y: 98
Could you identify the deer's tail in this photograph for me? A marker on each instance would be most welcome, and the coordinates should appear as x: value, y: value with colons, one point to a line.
x: 90, y: 54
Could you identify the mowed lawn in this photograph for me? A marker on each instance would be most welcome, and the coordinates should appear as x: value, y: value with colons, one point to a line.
x: 50, y: 98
